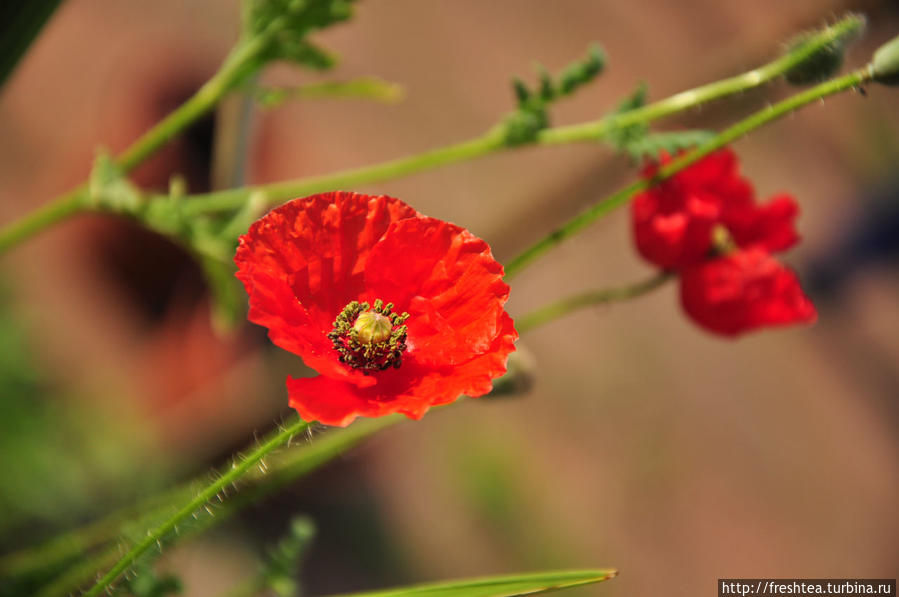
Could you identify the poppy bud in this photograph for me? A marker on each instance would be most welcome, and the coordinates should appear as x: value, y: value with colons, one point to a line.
x: 885, y: 65
x: 827, y: 58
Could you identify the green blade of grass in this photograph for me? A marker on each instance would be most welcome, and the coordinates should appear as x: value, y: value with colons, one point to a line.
x: 499, y: 586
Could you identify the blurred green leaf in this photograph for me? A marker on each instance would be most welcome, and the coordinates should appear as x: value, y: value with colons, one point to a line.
x: 147, y: 583
x: 20, y: 22
x: 651, y: 145
x: 531, y: 116
x: 501, y: 586
x: 286, y: 24
x: 621, y: 137
x: 281, y: 568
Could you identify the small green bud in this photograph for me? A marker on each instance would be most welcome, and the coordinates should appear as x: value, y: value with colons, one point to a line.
x: 371, y: 328
x: 825, y: 61
x: 522, y: 125
x: 885, y: 65
x: 521, y: 373
x: 819, y: 66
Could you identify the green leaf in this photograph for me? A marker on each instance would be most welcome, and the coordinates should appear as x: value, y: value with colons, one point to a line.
x: 622, y: 136
x: 305, y: 53
x: 582, y: 71
x: 285, y: 25
x: 649, y: 146
x: 500, y: 586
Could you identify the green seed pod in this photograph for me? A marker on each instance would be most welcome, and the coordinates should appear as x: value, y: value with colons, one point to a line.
x: 825, y: 61
x: 885, y: 65
x: 819, y: 66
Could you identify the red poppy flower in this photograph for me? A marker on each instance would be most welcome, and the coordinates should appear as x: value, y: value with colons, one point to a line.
x: 704, y: 223
x: 742, y: 291
x: 674, y: 221
x: 396, y: 311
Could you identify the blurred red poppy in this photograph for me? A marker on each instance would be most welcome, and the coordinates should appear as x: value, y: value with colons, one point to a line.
x: 673, y: 221
x: 743, y: 291
x: 705, y: 224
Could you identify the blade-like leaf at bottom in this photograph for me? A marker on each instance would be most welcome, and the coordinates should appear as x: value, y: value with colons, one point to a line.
x: 498, y: 586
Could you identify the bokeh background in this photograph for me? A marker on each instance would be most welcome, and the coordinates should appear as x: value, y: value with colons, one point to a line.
x: 646, y: 444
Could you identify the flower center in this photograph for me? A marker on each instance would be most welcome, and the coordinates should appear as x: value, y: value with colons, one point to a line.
x: 371, y: 338
x: 722, y: 241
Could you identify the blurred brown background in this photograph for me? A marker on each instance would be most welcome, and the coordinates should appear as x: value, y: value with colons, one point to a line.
x: 647, y: 444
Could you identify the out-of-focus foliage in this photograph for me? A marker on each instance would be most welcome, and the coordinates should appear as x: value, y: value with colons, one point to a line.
x: 522, y: 125
x: 500, y: 586
x: 58, y: 464
x: 289, y: 22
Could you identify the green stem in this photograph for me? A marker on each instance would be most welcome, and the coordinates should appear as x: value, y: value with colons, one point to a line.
x: 621, y: 197
x: 43, y: 217
x: 282, y: 468
x: 488, y: 143
x: 208, y: 493
x: 568, y: 305
x: 229, y: 199
x: 492, y: 141
x: 196, y: 106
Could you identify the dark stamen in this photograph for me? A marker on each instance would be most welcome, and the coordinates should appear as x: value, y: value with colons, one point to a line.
x: 367, y: 344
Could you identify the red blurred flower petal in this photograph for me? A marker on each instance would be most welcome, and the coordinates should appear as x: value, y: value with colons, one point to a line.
x: 770, y: 226
x: 305, y: 261
x: 673, y: 221
x: 743, y: 291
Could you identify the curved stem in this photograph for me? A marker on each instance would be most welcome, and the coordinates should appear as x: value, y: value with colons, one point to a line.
x: 196, y: 106
x: 570, y: 304
x: 209, y: 492
x: 685, y: 100
x: 493, y: 140
x: 282, y: 468
x: 490, y: 142
x: 621, y: 197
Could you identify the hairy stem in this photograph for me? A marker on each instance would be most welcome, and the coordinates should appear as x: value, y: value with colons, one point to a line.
x: 570, y: 304
x: 157, y: 534
x: 492, y: 141
x: 621, y: 197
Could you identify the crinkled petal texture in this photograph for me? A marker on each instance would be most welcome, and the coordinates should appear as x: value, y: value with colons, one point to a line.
x: 673, y: 221
x: 303, y: 262
x: 743, y: 291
